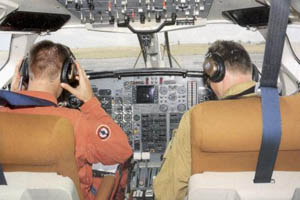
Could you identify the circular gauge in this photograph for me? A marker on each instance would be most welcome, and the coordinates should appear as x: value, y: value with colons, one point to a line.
x: 181, y: 107
x: 118, y: 117
x: 163, y: 90
x: 172, y: 97
x: 127, y: 126
x: 127, y: 118
x: 181, y: 90
x: 163, y: 108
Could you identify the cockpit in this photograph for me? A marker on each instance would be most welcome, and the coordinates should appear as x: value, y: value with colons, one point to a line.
x: 144, y: 60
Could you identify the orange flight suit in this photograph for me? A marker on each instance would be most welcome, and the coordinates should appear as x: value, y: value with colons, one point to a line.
x: 97, y: 137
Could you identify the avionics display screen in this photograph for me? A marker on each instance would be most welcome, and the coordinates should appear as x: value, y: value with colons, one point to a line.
x: 145, y: 94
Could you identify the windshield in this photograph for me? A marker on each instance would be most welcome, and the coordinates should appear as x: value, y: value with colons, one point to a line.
x: 101, y: 51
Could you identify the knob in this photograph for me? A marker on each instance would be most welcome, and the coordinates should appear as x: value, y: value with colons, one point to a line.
x: 163, y: 108
x: 181, y: 107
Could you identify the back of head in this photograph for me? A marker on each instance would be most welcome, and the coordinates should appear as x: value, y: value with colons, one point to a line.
x: 234, y: 55
x: 46, y: 59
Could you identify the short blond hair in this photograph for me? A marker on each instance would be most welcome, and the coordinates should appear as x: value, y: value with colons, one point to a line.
x: 46, y: 59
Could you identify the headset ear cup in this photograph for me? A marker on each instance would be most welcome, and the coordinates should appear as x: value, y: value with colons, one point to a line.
x: 255, y: 73
x: 24, y: 70
x: 220, y: 71
x: 66, y: 70
x: 214, y: 67
x: 208, y: 68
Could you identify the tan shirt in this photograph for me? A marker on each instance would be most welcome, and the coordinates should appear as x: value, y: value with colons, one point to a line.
x: 172, y: 181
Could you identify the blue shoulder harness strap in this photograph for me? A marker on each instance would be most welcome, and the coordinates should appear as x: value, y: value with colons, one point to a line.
x: 2, y: 177
x: 15, y: 100
x: 271, y: 116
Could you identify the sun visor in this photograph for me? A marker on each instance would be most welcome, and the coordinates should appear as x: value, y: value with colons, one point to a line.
x: 32, y: 16
x: 249, y: 17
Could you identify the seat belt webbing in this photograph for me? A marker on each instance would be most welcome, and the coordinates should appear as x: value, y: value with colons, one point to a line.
x: 14, y: 100
x: 271, y: 117
x: 2, y: 177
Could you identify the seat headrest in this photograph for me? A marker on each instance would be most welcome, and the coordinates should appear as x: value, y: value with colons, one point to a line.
x: 236, y: 125
x: 30, y: 139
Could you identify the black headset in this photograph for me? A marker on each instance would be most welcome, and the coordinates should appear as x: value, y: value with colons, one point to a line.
x: 68, y: 71
x: 214, y: 68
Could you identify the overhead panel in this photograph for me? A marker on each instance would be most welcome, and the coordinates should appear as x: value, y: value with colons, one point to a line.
x: 138, y: 14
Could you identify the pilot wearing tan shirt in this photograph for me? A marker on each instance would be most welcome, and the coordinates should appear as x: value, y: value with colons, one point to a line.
x: 228, y: 81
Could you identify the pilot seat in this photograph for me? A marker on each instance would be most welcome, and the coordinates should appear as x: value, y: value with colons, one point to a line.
x: 225, y: 143
x: 31, y: 145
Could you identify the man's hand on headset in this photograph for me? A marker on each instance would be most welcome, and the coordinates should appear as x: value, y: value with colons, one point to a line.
x: 84, y: 90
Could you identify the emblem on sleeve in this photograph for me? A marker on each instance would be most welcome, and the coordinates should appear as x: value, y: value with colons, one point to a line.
x: 103, y: 132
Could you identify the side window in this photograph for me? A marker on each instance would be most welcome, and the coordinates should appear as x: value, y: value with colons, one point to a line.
x: 189, y: 46
x: 5, y: 39
x: 293, y: 35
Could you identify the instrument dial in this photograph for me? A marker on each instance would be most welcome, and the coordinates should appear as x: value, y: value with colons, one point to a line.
x: 127, y: 118
x: 163, y: 108
x: 163, y: 90
x: 172, y: 97
x: 181, y: 107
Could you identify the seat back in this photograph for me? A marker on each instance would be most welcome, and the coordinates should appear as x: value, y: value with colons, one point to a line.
x: 38, y: 143
x: 226, y: 138
x: 226, y: 135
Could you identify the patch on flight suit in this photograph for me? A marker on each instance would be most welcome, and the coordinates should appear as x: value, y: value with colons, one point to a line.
x: 103, y: 132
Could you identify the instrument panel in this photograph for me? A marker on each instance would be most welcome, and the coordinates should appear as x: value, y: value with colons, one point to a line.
x: 148, y: 105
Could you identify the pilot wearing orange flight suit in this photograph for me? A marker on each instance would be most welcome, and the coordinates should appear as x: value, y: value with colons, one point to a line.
x: 172, y: 180
x: 97, y: 137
